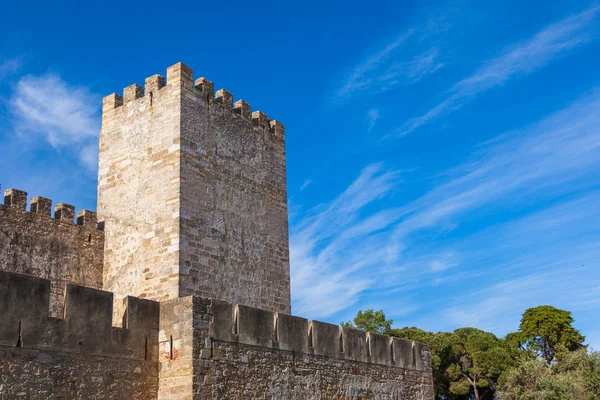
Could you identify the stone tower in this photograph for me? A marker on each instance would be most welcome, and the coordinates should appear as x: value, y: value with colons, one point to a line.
x: 192, y: 189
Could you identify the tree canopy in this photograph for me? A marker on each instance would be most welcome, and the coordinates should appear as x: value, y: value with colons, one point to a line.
x: 371, y: 321
x: 544, y: 360
x: 546, y: 329
x: 479, y: 358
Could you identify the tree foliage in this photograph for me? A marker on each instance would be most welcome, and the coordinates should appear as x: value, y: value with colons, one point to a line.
x: 575, y: 375
x: 370, y: 321
x: 478, y: 360
x: 544, y: 360
x: 546, y: 330
x: 441, y: 354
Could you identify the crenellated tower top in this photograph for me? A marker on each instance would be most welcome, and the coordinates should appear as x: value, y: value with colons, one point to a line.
x: 192, y: 186
x: 180, y: 75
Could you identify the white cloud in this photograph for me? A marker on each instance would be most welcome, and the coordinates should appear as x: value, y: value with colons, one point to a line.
x: 362, y: 242
x: 521, y: 59
x: 9, y: 67
x: 325, y: 271
x: 392, y: 66
x: 305, y: 184
x: 66, y: 116
x: 372, y: 117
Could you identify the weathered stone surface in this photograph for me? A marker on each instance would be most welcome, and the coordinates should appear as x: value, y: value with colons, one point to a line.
x: 193, y: 195
x: 56, y: 249
x: 49, y: 374
x: 292, y: 333
x: 233, y: 370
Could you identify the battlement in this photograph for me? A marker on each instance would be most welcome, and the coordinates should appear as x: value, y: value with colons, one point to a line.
x: 182, y: 76
x: 86, y: 323
x: 16, y: 200
x: 256, y: 327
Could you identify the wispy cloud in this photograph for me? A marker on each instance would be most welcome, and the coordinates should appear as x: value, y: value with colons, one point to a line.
x: 9, y: 67
x: 363, y: 242
x: 372, y: 117
x: 394, y: 65
x: 305, y: 184
x: 521, y: 59
x: 66, y: 116
x: 319, y: 245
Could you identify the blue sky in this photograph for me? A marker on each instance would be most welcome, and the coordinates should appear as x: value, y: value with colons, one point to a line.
x: 443, y: 158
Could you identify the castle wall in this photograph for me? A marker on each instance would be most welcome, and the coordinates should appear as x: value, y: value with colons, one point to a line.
x: 234, y: 217
x: 78, y: 356
x: 138, y: 190
x: 245, y: 353
x: 46, y: 374
x: 58, y: 249
x: 193, y: 193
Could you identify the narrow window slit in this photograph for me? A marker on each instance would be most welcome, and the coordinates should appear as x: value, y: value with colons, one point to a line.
x: 171, y: 347
x: 310, y: 337
x: 20, y: 338
x: 146, y: 349
x: 341, y: 341
x: 236, y: 330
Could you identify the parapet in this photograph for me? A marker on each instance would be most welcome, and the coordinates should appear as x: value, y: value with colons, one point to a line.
x: 16, y: 200
x: 256, y: 327
x: 86, y: 324
x: 180, y: 75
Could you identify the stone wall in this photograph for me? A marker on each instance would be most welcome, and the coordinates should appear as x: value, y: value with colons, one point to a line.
x: 191, y: 348
x: 245, y: 353
x: 234, y: 217
x: 193, y: 192
x: 32, y: 374
x: 81, y: 356
x: 138, y: 191
x: 58, y: 249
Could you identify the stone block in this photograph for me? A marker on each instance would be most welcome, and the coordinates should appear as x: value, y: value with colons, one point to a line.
x: 325, y: 339
x: 403, y: 353
x: 24, y: 305
x: 88, y: 318
x: 354, y: 344
x: 255, y: 327
x: 380, y: 348
x: 221, y: 324
x: 292, y: 333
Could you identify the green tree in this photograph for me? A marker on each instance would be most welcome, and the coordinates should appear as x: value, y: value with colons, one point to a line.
x: 370, y: 321
x: 478, y: 360
x: 575, y: 375
x: 545, y: 330
x: 441, y: 355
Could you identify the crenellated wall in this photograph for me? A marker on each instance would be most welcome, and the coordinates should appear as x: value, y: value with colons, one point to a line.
x: 81, y: 355
x: 60, y: 248
x: 192, y: 188
x: 191, y: 348
x: 212, y: 349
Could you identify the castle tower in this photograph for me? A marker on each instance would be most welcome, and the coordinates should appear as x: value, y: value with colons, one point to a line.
x: 192, y: 189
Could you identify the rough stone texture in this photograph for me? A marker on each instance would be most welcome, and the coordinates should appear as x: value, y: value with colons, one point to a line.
x: 234, y: 219
x: 138, y: 193
x: 56, y: 249
x: 193, y: 193
x: 221, y: 369
x: 80, y: 356
x: 30, y: 374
